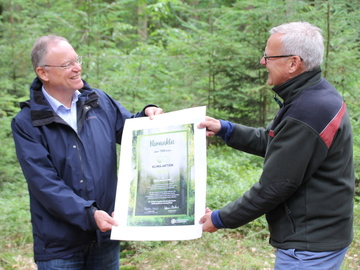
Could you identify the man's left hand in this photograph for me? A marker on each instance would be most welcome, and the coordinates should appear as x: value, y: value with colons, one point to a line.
x: 207, y: 225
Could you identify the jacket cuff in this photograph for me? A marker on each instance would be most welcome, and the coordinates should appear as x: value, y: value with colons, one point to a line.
x: 226, y: 130
x: 91, y: 212
x: 216, y: 220
x: 93, y: 209
x: 149, y: 105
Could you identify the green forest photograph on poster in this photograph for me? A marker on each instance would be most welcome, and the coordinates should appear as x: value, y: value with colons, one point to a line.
x: 164, y: 181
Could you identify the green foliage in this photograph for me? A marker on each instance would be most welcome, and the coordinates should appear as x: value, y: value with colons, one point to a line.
x: 9, y: 168
x: 15, y: 235
x: 232, y: 178
x: 356, y: 130
x: 244, y: 248
x: 176, y: 54
x: 9, y: 171
x: 230, y: 174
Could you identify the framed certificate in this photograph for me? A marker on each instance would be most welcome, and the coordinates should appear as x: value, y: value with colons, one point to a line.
x: 162, y: 177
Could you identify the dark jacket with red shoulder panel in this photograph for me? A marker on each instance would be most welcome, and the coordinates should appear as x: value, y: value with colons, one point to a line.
x: 306, y: 189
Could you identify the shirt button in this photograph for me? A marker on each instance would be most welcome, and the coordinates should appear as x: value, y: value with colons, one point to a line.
x: 81, y: 181
x: 74, y: 146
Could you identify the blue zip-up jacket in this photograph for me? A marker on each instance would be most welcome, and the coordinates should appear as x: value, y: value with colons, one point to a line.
x: 307, y: 186
x: 69, y: 173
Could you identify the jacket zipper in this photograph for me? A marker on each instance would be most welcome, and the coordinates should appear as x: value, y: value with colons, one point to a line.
x: 82, y: 169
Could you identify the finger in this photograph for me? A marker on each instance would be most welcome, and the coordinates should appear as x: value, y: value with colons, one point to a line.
x: 113, y: 222
x: 202, y: 220
x: 150, y: 115
x: 204, y: 124
x: 149, y: 111
x: 158, y: 111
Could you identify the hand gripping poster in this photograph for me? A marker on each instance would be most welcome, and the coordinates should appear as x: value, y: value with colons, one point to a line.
x: 161, y: 188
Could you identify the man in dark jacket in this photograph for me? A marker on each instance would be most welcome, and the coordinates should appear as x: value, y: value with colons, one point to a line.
x: 65, y: 138
x: 306, y: 189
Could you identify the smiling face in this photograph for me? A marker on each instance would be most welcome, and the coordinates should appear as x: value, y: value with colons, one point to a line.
x: 280, y: 69
x: 59, y: 80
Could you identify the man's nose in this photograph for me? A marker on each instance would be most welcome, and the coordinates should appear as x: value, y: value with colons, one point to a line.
x: 263, y: 61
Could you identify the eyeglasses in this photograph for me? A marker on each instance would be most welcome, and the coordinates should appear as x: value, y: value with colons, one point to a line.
x: 69, y: 64
x: 278, y: 56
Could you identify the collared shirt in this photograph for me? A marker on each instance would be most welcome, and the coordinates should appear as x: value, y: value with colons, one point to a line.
x: 68, y: 114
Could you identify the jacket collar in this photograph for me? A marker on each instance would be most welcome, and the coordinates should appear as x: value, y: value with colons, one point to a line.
x: 290, y: 89
x: 40, y: 109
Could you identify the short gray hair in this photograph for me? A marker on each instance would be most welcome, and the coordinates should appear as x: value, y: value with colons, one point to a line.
x: 40, y: 49
x: 302, y: 39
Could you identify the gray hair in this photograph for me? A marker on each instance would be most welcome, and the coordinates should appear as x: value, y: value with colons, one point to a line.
x: 302, y: 39
x: 40, y: 49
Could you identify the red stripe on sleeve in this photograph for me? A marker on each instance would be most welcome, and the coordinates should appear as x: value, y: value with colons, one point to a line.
x: 330, y: 130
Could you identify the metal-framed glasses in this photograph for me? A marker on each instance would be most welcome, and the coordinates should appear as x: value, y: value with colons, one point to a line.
x: 68, y: 64
x: 278, y: 56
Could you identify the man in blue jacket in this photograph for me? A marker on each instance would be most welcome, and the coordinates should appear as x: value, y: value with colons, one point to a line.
x: 306, y: 189
x: 65, y: 138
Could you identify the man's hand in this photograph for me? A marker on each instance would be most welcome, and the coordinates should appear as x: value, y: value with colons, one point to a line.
x: 206, y: 221
x: 212, y: 126
x: 152, y: 111
x: 104, y: 221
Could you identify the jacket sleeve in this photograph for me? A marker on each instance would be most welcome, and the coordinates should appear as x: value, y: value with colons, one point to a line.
x: 48, y: 191
x: 250, y: 140
x: 292, y: 156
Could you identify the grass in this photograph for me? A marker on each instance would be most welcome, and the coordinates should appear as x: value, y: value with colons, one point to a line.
x: 222, y: 250
x: 243, y: 248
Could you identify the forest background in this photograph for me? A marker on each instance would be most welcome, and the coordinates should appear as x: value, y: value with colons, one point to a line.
x: 177, y: 54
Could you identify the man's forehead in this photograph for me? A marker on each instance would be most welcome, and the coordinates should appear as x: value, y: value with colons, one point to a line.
x: 274, y: 42
x: 63, y: 50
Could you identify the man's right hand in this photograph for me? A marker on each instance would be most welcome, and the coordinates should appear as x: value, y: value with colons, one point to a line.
x: 212, y: 126
x: 104, y: 221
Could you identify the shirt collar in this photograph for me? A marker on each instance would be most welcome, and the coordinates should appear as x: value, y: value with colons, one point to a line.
x: 54, y: 103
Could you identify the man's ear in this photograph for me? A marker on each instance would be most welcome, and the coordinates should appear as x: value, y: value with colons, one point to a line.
x: 42, y: 74
x: 296, y: 65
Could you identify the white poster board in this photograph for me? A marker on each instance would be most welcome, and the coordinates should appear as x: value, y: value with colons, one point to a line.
x: 161, y: 188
